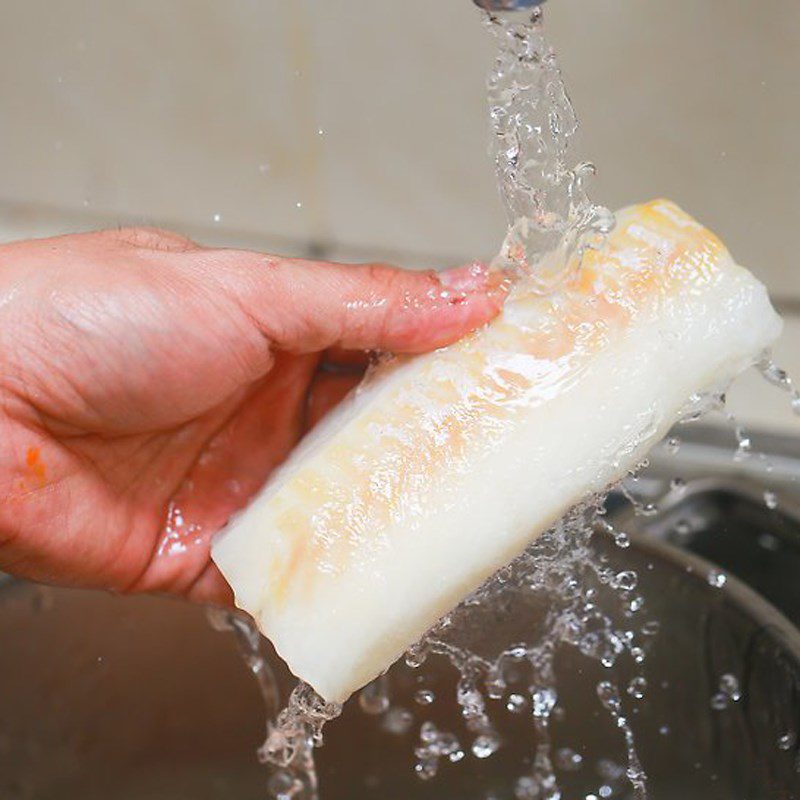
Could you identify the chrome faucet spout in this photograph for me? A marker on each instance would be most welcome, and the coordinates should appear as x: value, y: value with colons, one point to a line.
x: 507, y: 5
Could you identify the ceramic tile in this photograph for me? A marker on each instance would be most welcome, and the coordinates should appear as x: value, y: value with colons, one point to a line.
x: 156, y: 111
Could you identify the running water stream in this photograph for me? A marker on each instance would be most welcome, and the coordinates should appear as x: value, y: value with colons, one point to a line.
x: 551, y: 217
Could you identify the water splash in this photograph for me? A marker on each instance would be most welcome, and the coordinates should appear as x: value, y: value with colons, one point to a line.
x: 290, y: 744
x: 557, y: 592
x: 776, y: 376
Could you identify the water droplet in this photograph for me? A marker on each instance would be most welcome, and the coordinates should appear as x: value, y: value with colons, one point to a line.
x: 298, y: 204
x: 717, y: 579
x: 770, y: 500
x: 608, y: 696
x: 636, y: 604
x: 217, y: 217
x: 568, y: 760
x: 787, y: 741
x: 495, y: 683
x: 637, y: 687
x: 428, y: 732
x: 729, y: 684
x: 415, y: 656
x: 625, y: 580
x: 744, y: 447
x: 398, y: 720
x: 651, y: 627
x: 729, y: 692
x: 622, y: 540
x: 720, y: 701
x: 664, y: 730
x: 374, y: 698
x: 424, y: 697
x: 484, y: 746
x: 543, y: 701
x: 609, y: 770
x: 320, y: 132
x: 516, y: 703
x: 526, y: 788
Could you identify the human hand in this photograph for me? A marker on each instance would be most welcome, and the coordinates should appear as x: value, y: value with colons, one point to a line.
x: 148, y: 386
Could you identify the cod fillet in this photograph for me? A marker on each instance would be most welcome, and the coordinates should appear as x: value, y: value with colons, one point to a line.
x: 442, y: 467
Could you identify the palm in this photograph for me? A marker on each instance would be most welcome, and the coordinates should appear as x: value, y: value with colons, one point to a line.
x: 200, y: 470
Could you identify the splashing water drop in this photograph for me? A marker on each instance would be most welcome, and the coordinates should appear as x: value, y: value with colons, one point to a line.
x: 485, y: 746
x: 770, y: 500
x: 424, y: 697
x: 720, y: 701
x: 416, y: 655
x: 434, y: 744
x: 729, y: 684
x: 716, y: 578
x: 787, y: 741
x: 516, y: 703
x: 398, y: 721
x: 374, y: 697
x: 568, y: 760
x: 776, y: 376
x: 625, y: 580
x: 637, y: 687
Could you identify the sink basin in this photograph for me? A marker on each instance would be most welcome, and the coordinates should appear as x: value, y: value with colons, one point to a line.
x: 110, y: 697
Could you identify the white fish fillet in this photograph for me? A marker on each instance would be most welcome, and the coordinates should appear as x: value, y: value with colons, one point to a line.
x: 443, y: 467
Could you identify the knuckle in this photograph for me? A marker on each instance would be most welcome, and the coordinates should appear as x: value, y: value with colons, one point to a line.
x: 147, y: 238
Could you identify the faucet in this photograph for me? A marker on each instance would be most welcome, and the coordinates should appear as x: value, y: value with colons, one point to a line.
x: 507, y: 5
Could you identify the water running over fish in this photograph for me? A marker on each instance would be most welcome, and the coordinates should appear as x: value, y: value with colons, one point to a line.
x: 552, y: 219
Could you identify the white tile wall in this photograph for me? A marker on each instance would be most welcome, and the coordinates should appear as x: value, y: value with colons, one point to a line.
x: 164, y: 110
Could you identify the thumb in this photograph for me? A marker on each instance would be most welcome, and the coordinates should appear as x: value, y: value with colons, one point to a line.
x: 304, y: 306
